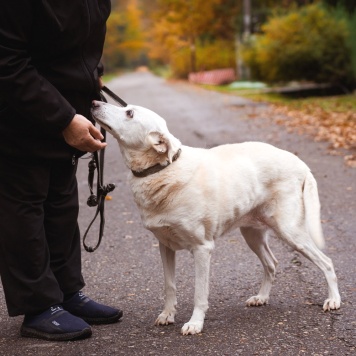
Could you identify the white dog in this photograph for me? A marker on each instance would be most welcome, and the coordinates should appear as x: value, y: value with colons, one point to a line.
x: 190, y: 196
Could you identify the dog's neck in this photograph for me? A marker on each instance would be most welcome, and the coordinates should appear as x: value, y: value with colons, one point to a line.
x: 155, y: 154
x: 155, y: 168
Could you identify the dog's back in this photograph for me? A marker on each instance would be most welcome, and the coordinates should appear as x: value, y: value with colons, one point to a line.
x: 224, y: 187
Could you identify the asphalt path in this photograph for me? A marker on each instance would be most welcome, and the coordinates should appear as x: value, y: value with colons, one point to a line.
x: 126, y: 270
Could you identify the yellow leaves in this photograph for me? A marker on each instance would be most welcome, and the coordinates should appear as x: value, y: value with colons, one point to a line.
x: 338, y: 128
x: 176, y: 26
x: 350, y: 160
x: 124, y: 37
x: 193, y: 16
x: 132, y: 45
x: 165, y: 39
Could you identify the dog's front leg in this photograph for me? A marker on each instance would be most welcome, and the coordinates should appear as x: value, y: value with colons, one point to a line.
x: 169, y: 311
x: 202, y: 256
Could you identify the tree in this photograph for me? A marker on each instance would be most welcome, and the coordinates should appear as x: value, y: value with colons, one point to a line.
x: 307, y: 44
x: 125, y: 42
x: 181, y: 28
x: 349, y: 5
x: 178, y: 23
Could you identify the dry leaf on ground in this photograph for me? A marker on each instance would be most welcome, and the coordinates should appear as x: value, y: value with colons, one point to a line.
x: 338, y: 128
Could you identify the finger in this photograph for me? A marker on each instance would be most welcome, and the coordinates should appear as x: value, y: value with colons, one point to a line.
x: 95, y: 132
x: 95, y: 145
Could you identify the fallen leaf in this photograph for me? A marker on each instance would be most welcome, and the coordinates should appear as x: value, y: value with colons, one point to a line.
x: 338, y: 128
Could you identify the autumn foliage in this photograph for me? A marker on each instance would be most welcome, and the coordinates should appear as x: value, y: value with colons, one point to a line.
x: 337, y: 128
x: 125, y: 44
x: 187, y: 35
x: 190, y: 35
x: 306, y: 44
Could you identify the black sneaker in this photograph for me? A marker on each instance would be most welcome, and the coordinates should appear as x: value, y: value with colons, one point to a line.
x: 55, y: 324
x: 90, y: 311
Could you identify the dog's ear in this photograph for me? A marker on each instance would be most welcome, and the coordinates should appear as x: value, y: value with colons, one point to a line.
x: 158, y: 142
x: 164, y: 144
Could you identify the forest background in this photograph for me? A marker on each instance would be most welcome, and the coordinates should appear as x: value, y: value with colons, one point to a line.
x: 274, y: 42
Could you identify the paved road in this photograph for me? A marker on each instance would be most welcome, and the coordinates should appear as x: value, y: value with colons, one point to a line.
x: 126, y: 270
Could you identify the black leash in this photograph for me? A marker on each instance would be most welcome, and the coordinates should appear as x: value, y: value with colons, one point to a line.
x: 98, y: 199
x: 113, y: 96
x: 97, y: 163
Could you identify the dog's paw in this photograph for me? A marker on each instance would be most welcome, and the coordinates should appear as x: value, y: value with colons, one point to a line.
x: 192, y: 327
x: 165, y: 318
x: 331, y: 304
x: 257, y: 300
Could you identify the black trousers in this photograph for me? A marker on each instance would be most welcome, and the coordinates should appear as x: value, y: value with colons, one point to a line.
x: 40, y: 255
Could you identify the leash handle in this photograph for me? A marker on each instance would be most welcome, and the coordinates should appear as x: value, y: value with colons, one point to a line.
x: 97, y: 200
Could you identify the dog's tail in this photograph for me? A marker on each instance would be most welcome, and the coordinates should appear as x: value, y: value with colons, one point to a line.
x: 312, y: 210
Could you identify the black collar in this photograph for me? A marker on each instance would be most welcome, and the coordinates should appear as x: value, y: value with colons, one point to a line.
x: 154, y: 169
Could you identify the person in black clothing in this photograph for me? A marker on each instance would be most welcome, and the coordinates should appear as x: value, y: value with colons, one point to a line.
x: 50, y: 55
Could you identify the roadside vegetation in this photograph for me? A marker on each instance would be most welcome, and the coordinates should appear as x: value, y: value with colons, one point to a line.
x: 309, y: 42
x: 331, y: 119
x: 325, y: 118
x: 283, y: 40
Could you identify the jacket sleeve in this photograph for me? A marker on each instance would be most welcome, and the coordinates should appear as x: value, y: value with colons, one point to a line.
x: 21, y: 86
x: 100, y: 69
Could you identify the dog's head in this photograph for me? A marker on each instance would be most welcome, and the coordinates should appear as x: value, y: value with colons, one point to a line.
x: 143, y: 135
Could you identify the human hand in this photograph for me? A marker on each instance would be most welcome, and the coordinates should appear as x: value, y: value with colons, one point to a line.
x: 83, y: 135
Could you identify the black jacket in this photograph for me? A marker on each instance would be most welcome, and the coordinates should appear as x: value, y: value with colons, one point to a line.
x: 49, y: 54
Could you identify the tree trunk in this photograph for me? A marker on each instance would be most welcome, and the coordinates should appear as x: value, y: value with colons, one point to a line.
x: 193, y: 59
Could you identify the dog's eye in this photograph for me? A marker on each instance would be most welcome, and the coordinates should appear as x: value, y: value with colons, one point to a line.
x: 130, y: 113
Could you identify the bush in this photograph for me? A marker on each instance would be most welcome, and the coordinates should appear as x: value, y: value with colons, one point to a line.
x: 342, y: 12
x: 209, y: 55
x: 307, y: 44
x: 216, y: 55
x: 351, y: 21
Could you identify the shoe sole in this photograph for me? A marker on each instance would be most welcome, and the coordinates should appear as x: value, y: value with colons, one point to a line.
x: 98, y: 321
x: 29, y: 332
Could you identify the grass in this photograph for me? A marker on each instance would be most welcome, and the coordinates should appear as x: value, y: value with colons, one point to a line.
x: 161, y: 71
x: 108, y: 77
x: 326, y: 118
x: 338, y: 103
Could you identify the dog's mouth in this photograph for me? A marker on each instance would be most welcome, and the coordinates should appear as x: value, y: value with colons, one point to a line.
x: 105, y: 126
x: 95, y: 106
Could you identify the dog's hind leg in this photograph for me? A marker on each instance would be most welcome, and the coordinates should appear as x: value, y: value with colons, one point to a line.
x: 299, y: 239
x: 257, y: 241
x: 169, y: 311
x: 202, y: 256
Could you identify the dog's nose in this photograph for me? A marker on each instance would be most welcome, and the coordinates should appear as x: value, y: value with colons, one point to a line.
x: 95, y: 103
